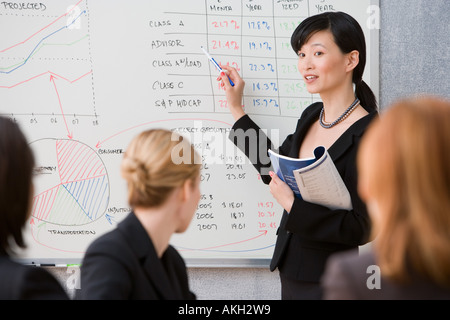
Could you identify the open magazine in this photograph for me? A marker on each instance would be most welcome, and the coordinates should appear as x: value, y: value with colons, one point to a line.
x: 314, y: 179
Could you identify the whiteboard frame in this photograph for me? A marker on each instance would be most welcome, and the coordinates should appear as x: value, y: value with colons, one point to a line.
x: 374, y: 67
x: 190, y: 262
x: 227, y: 263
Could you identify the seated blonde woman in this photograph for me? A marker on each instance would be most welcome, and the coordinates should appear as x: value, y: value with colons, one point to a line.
x: 404, y: 174
x: 135, y: 261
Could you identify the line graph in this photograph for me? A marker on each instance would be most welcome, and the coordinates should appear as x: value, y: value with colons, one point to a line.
x: 45, y: 27
x: 37, y: 49
x: 47, y: 73
x: 46, y: 67
x: 41, y: 41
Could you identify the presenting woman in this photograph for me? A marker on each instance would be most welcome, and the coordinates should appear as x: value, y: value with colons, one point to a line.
x: 331, y: 59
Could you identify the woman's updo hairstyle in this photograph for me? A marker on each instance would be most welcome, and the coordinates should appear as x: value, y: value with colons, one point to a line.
x: 150, y: 171
x: 348, y: 36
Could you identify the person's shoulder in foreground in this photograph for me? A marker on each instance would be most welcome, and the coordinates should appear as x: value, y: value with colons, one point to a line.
x: 353, y: 276
x: 20, y: 282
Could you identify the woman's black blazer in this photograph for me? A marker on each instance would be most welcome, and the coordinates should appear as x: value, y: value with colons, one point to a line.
x: 310, y: 233
x: 20, y: 282
x: 123, y: 265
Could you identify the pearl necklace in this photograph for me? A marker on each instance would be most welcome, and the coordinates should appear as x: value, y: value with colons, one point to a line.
x: 346, y: 113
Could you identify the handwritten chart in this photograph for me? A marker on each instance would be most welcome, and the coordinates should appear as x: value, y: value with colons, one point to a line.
x: 82, y: 78
x: 253, y: 37
x: 76, y: 190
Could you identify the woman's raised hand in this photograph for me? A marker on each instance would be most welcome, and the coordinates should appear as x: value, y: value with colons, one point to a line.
x: 233, y: 93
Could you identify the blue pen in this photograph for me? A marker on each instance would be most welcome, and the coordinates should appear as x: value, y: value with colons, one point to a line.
x: 215, y: 64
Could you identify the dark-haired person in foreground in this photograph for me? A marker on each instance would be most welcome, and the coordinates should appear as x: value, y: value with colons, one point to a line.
x: 19, y: 282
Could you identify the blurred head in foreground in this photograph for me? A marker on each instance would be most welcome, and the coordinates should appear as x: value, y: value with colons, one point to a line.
x: 153, y: 170
x: 16, y: 175
x: 404, y: 177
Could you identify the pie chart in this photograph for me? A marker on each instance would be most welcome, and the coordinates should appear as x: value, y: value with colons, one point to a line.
x: 71, y: 185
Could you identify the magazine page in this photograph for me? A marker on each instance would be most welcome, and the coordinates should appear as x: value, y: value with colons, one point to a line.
x: 321, y: 183
x: 284, y: 167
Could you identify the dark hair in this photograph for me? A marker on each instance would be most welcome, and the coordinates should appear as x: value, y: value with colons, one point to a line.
x: 16, y: 174
x: 348, y: 36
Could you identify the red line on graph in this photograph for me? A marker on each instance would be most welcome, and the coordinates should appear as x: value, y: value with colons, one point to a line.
x: 44, y: 73
x: 156, y: 121
x: 22, y: 42
x: 263, y: 233
x: 35, y: 238
x: 52, y: 79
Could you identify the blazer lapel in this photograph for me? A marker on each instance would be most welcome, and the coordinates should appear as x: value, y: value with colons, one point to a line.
x: 341, y: 145
x: 345, y: 141
x: 303, y: 126
x: 146, y: 253
x: 156, y: 273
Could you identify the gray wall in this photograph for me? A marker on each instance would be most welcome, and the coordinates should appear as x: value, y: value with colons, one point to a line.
x: 414, y: 59
x: 414, y: 48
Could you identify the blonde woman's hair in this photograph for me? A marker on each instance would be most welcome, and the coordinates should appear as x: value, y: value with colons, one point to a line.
x: 150, y: 171
x: 404, y: 162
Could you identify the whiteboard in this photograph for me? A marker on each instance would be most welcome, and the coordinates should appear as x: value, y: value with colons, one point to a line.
x: 82, y: 78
